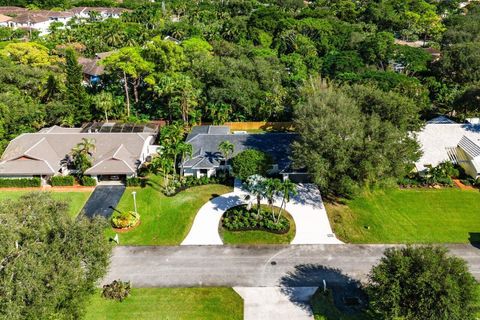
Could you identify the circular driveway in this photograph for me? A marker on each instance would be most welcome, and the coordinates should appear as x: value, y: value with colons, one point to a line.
x: 311, y: 220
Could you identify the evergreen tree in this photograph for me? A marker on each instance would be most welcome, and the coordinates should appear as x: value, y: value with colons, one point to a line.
x: 75, y: 93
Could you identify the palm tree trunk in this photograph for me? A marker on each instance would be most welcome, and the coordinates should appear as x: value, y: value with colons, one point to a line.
x: 106, y: 116
x: 281, y: 210
x: 127, y: 97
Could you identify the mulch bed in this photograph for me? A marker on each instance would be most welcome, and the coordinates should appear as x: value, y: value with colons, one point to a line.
x: 123, y: 230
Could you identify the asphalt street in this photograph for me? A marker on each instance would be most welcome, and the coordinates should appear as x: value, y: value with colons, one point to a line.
x: 254, y: 266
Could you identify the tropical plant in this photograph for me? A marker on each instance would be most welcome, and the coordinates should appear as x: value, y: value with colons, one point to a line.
x: 227, y: 149
x: 104, y: 102
x: 83, y: 154
x: 272, y: 187
x: 255, y: 185
x: 288, y: 189
x: 116, y: 290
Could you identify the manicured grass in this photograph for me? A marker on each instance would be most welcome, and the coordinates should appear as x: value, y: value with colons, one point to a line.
x: 76, y: 200
x: 258, y: 237
x: 169, y: 303
x: 409, y: 216
x: 164, y: 220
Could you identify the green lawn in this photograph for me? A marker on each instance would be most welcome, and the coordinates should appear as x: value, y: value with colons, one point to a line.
x: 409, y: 216
x: 258, y: 237
x: 76, y: 200
x: 169, y: 303
x: 164, y: 220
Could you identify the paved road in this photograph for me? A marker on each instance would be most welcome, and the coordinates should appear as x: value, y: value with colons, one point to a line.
x: 103, y: 200
x: 263, y: 266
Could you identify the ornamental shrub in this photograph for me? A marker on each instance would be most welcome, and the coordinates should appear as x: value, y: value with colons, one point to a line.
x: 117, y: 290
x: 251, y: 162
x: 20, y: 183
x: 88, y: 181
x: 122, y: 220
x: 241, y: 219
x: 61, y: 181
x: 135, y: 182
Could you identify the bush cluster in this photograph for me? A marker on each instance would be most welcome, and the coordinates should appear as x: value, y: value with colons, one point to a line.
x: 20, y: 183
x: 62, y: 181
x: 135, y: 182
x: 122, y: 220
x: 241, y: 219
x: 177, y: 185
x: 117, y: 290
x: 440, y: 175
x: 88, y: 181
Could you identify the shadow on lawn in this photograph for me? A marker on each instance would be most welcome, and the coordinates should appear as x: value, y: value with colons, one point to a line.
x: 475, y: 239
x: 348, y: 296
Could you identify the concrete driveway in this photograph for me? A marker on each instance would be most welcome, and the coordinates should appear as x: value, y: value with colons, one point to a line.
x: 103, y: 200
x: 307, y: 210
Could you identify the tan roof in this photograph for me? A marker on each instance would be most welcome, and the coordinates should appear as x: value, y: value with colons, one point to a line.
x: 116, y: 153
x: 91, y: 66
x: 4, y: 18
x: 12, y: 10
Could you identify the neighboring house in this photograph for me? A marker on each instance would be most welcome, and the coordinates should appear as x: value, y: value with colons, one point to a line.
x: 102, y: 12
x: 206, y: 157
x: 445, y: 140
x: 92, y: 69
x: 4, y: 20
x: 41, y: 20
x: 120, y: 149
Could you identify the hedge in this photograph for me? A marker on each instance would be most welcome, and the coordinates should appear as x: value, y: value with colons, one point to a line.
x: 60, y: 181
x: 20, y: 183
x: 135, y: 182
x: 88, y: 181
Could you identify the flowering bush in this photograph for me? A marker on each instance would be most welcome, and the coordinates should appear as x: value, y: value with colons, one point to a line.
x: 117, y: 290
x: 122, y: 220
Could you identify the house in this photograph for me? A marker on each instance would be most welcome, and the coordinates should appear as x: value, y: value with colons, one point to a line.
x: 102, y: 12
x: 445, y: 140
x: 120, y: 149
x: 92, y: 69
x: 206, y: 157
x: 4, y: 20
x: 39, y: 20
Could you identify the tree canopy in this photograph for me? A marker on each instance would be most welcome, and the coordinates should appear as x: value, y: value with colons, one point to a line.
x: 50, y: 263
x: 421, y: 283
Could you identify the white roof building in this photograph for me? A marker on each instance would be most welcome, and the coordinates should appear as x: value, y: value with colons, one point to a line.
x: 445, y: 140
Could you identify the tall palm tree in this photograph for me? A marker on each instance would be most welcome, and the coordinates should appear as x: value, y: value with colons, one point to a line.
x: 288, y: 189
x: 85, y: 147
x: 255, y: 185
x: 272, y: 188
x: 227, y: 149
x: 185, y: 150
x: 104, y: 102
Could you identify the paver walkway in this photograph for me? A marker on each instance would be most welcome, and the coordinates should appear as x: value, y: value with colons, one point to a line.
x: 275, y: 303
x: 307, y: 209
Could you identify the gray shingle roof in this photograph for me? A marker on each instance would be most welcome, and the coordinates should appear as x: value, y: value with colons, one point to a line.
x: 206, y: 139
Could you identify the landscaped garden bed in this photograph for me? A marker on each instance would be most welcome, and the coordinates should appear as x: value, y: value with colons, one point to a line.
x: 125, y: 221
x: 165, y: 220
x: 241, y: 218
x: 242, y: 226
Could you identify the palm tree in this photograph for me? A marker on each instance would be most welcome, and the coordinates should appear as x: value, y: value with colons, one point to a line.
x: 272, y: 188
x: 255, y: 185
x: 85, y: 147
x: 185, y: 150
x: 104, y: 102
x: 288, y: 189
x: 227, y: 149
